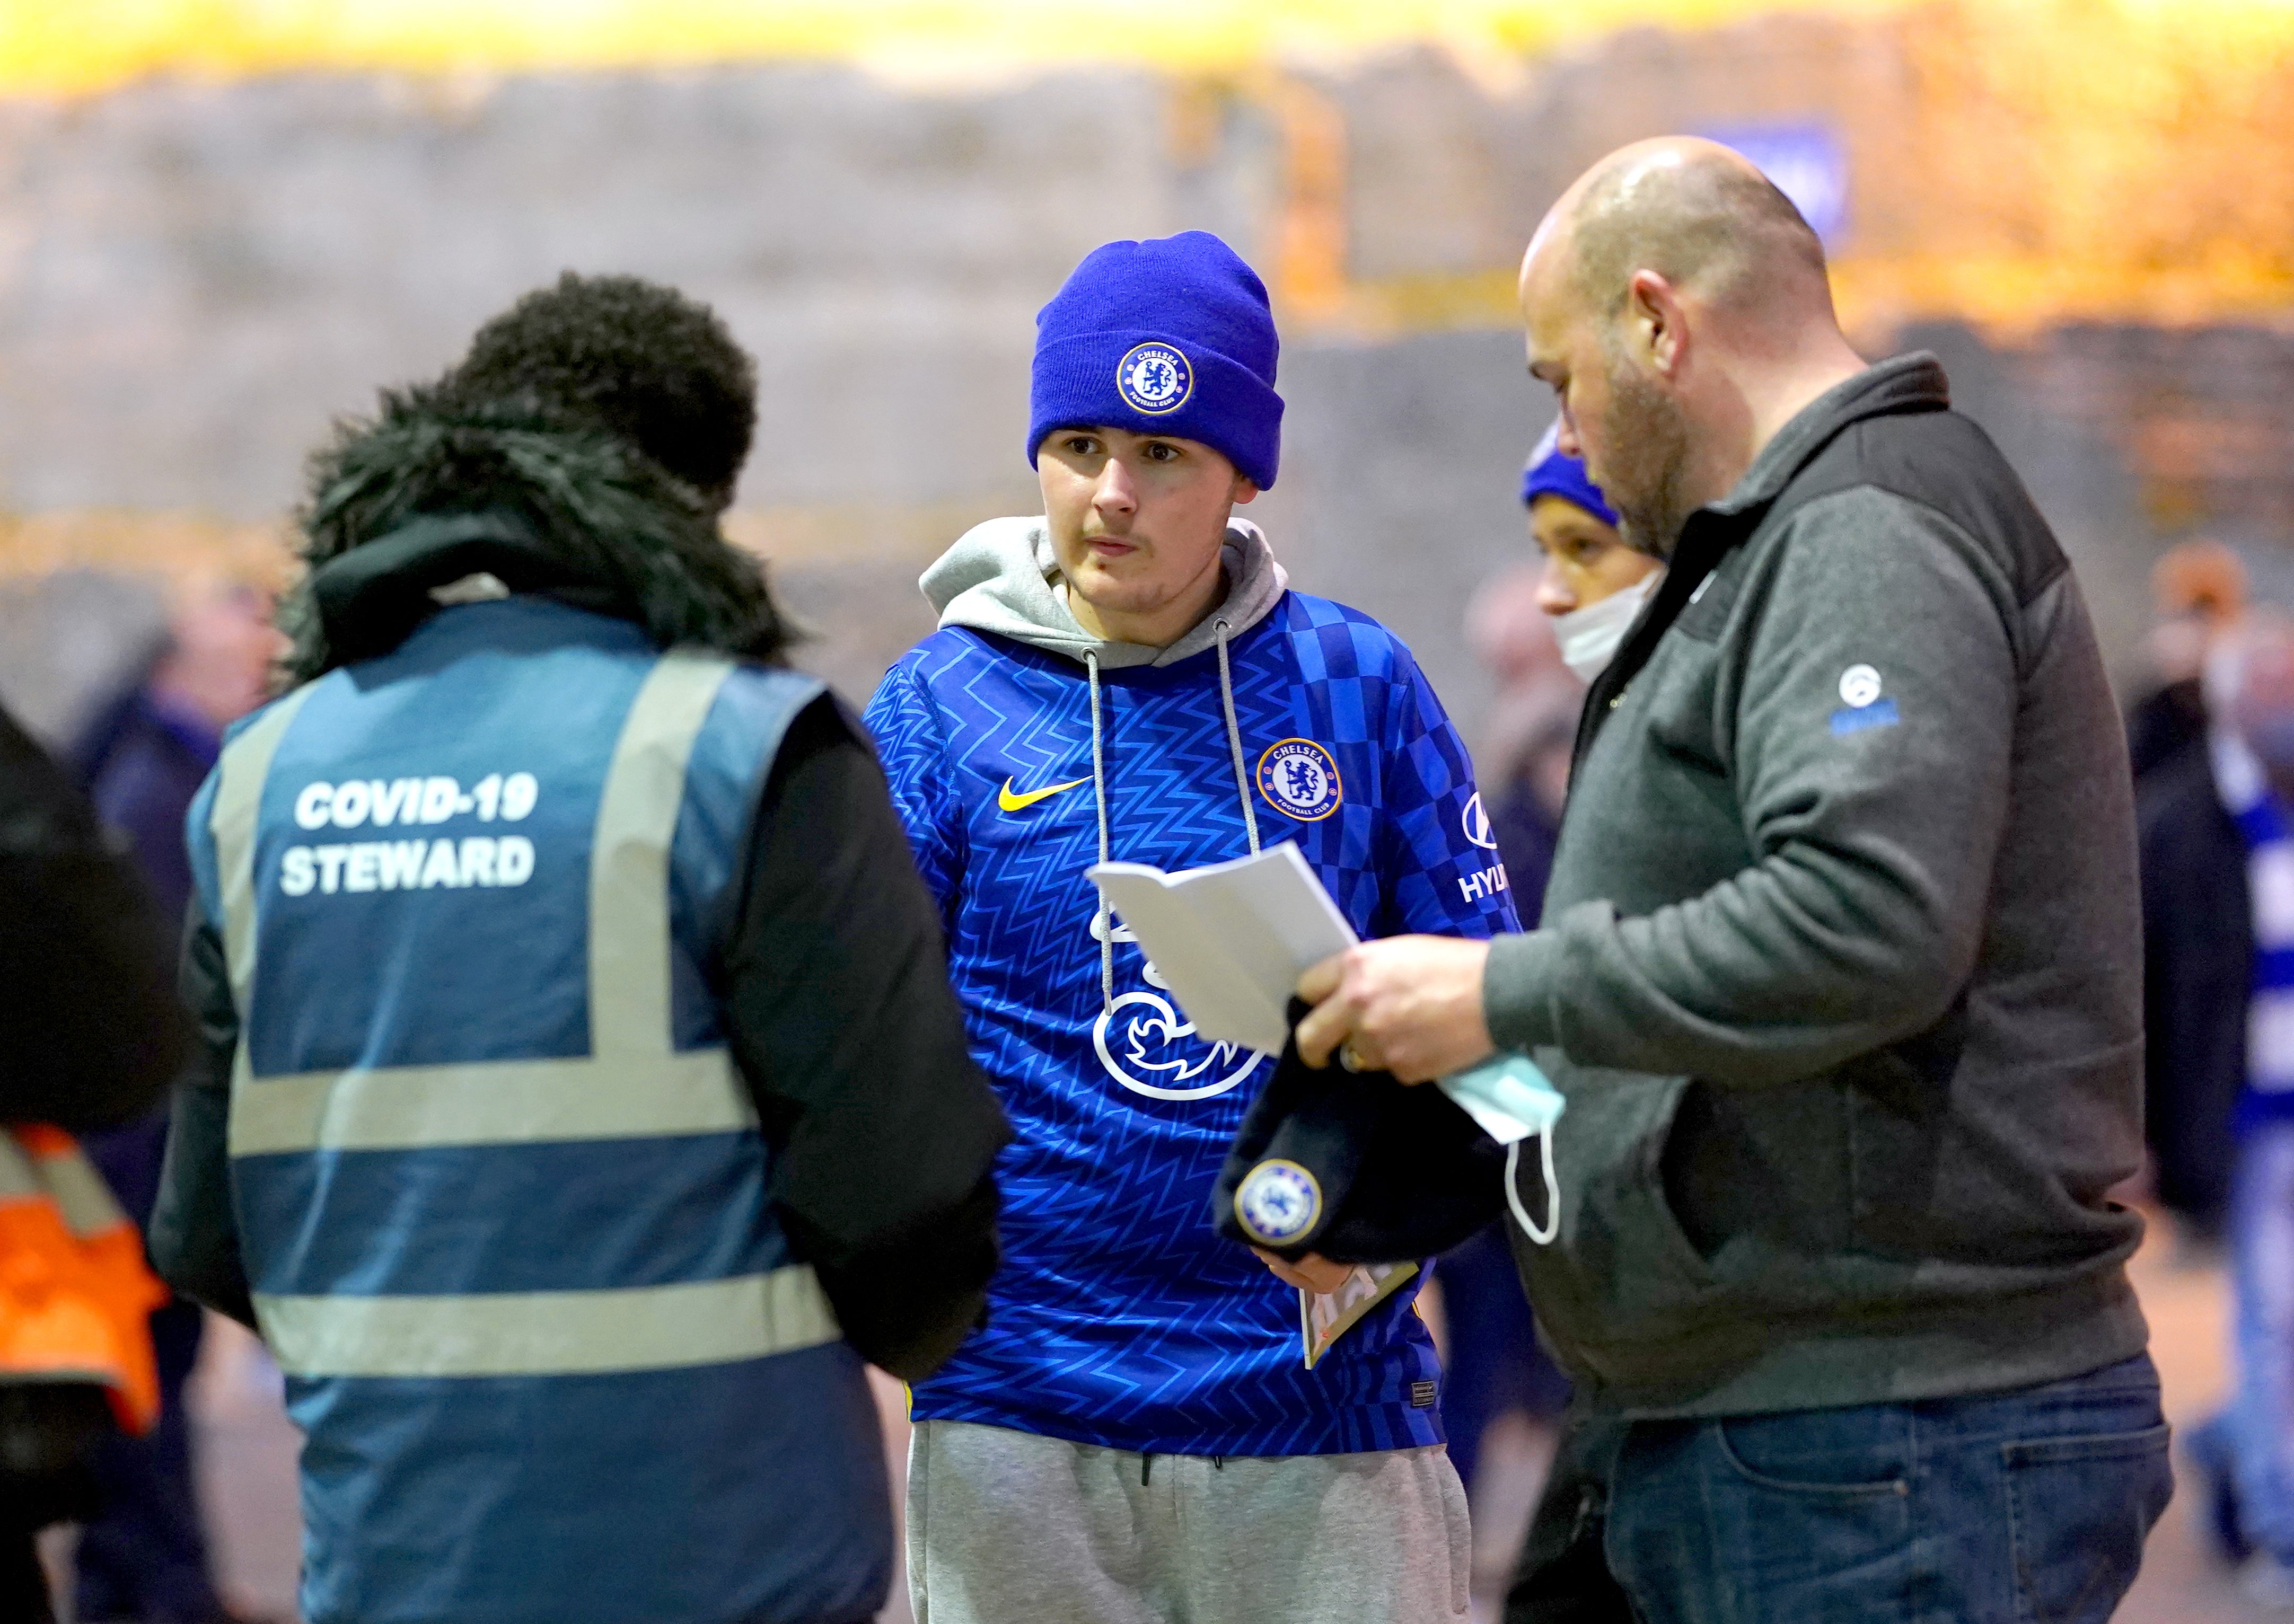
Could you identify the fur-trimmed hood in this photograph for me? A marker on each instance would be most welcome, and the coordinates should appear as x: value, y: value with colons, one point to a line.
x: 431, y: 490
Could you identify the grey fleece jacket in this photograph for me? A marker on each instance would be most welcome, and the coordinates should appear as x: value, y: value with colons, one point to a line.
x: 1839, y: 966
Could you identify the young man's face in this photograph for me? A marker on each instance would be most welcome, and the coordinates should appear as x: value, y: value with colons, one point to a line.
x: 1137, y: 520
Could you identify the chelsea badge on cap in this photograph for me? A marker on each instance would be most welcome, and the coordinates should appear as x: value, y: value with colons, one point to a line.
x: 1154, y: 378
x: 1277, y: 1202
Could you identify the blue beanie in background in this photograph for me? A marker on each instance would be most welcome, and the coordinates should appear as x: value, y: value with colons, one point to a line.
x: 1167, y: 336
x: 1552, y: 472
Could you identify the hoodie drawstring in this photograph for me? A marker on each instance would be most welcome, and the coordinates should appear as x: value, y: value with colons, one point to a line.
x: 1235, y: 740
x: 1103, y: 924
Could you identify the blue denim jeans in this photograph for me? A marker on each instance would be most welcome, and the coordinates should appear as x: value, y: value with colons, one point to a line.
x: 2023, y: 1507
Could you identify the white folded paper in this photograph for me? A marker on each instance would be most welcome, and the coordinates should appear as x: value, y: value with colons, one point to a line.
x: 1231, y: 941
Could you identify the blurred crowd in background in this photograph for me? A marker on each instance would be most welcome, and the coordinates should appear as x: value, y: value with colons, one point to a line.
x: 2078, y: 206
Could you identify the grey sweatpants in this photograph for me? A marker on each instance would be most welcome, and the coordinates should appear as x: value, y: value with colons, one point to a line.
x: 1007, y: 1527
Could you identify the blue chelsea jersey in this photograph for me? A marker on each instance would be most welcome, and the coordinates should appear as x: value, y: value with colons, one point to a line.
x: 1120, y: 1317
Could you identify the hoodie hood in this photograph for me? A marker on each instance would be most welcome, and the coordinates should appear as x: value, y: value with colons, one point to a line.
x: 1001, y: 577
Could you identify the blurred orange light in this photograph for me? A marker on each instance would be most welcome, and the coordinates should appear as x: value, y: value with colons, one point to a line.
x: 2018, y: 162
x: 49, y: 47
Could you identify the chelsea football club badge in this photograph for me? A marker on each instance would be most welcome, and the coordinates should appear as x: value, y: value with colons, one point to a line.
x: 1299, y: 778
x: 1277, y: 1202
x: 1154, y: 378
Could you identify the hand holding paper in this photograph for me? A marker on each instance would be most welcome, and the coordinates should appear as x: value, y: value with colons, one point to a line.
x: 1233, y: 939
x: 1230, y: 940
x: 1352, y: 1164
x: 1409, y: 1005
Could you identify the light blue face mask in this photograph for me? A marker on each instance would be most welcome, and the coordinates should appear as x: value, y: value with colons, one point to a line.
x: 1510, y: 1098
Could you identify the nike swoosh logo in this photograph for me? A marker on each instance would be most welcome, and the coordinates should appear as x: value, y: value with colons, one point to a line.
x: 1010, y: 802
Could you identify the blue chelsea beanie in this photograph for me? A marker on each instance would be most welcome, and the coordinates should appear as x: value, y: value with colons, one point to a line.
x: 1167, y: 336
x: 1552, y: 472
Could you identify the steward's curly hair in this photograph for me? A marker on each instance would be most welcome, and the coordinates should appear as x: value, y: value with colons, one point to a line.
x: 640, y: 360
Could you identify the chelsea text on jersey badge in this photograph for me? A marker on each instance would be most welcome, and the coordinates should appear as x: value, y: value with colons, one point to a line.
x: 1299, y: 778
x: 1154, y: 378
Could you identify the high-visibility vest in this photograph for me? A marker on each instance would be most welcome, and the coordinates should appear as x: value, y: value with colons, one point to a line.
x: 503, y: 1198
x: 76, y: 1296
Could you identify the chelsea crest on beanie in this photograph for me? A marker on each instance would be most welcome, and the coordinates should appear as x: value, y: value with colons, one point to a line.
x: 1172, y: 335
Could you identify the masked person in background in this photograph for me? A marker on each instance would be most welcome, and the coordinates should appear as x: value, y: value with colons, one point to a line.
x: 2199, y: 590
x: 581, y: 1098
x: 1592, y: 583
x: 2198, y: 950
x: 1595, y: 580
x: 1543, y: 630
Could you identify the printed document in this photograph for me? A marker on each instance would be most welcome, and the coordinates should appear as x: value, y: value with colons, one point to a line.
x: 1230, y: 940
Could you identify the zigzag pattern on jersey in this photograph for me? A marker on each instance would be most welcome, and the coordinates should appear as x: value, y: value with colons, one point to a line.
x: 1119, y: 1317
x: 1015, y: 721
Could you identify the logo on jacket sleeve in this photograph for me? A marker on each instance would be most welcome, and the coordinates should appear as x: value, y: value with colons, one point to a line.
x: 1277, y: 1202
x: 1864, y: 704
x: 1298, y: 778
x: 1860, y: 686
x: 1473, y: 824
x: 1154, y: 378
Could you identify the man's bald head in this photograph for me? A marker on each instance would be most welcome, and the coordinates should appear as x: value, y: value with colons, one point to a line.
x: 1677, y: 304
x: 1701, y: 216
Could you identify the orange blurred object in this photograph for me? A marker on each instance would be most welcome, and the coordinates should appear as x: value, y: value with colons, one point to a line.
x: 76, y: 1294
x: 2201, y: 580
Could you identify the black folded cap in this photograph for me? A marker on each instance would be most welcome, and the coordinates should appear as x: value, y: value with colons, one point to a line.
x: 1355, y: 1166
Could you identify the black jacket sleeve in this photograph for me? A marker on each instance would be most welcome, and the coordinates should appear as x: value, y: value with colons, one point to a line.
x: 836, y: 985
x: 194, y: 1238
x: 93, y: 1032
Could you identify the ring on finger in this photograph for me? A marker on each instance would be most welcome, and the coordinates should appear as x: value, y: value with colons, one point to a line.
x: 1350, y: 1059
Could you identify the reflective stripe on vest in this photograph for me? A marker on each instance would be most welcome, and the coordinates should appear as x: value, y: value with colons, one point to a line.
x: 632, y: 1086
x: 51, y: 1160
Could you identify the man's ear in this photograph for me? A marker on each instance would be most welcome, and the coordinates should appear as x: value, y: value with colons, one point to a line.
x: 1655, y: 326
x: 1245, y: 489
